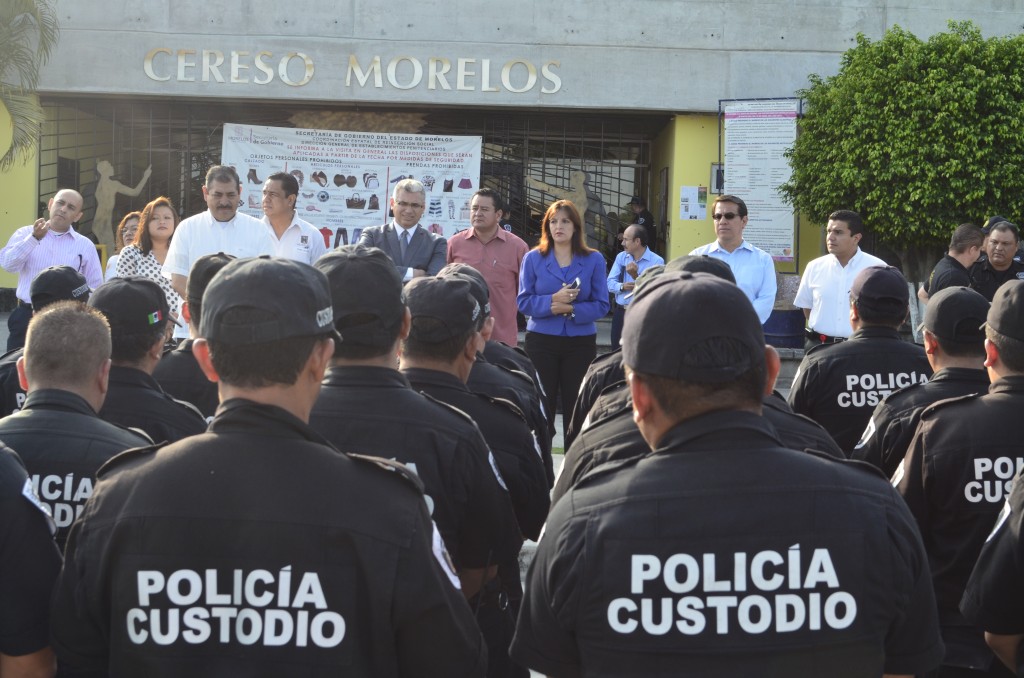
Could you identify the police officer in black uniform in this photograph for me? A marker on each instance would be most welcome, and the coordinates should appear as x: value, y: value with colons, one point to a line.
x: 56, y: 283
x: 1000, y: 263
x: 257, y: 548
x: 139, y: 317
x: 62, y: 440
x: 953, y: 270
x: 29, y: 562
x: 839, y: 385
x: 722, y: 553
x: 367, y: 406
x: 437, y: 357
x: 498, y: 380
x: 958, y: 472
x: 178, y: 373
x: 955, y: 345
x: 994, y: 599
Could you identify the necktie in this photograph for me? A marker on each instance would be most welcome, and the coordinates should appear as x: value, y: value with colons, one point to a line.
x: 404, y: 241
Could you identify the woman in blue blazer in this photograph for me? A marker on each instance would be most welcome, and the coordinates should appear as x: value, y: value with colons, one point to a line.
x: 562, y: 290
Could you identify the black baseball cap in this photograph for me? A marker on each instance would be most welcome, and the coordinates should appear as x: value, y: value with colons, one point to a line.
x: 57, y: 283
x: 200, y: 275
x: 992, y: 221
x: 702, y: 263
x: 635, y: 200
x: 366, y: 291
x: 132, y: 305
x: 956, y: 314
x: 1006, y: 314
x: 881, y: 288
x: 477, y: 284
x: 295, y: 295
x: 679, y: 309
x: 442, y: 308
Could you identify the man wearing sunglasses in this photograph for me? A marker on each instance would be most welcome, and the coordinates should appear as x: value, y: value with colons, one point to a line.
x: 415, y: 251
x: 988, y: 274
x: 753, y: 267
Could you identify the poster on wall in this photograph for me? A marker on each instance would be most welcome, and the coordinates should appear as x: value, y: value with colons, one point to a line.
x: 757, y: 134
x: 693, y: 202
x: 346, y: 178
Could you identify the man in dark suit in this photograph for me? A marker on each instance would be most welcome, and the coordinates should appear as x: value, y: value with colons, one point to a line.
x: 415, y: 251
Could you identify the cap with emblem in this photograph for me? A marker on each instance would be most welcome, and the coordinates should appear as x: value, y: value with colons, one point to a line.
x: 294, y: 297
x: 992, y: 221
x: 635, y: 200
x: 200, y: 275
x: 478, y: 285
x: 366, y: 291
x: 442, y: 308
x: 1006, y: 314
x: 682, y: 309
x: 132, y: 305
x: 956, y: 315
x: 58, y: 283
x: 881, y: 288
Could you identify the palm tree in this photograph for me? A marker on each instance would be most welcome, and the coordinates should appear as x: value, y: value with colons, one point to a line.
x: 28, y: 35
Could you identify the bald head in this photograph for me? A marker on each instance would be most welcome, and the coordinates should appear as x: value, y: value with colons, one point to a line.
x: 65, y: 208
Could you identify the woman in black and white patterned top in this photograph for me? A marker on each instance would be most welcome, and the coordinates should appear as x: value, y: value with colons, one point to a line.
x: 145, y: 256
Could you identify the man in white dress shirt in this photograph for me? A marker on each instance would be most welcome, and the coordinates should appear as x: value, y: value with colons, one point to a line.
x: 294, y: 238
x: 824, y: 292
x: 753, y: 267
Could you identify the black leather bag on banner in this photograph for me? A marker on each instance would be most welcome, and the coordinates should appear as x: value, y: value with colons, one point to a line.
x: 355, y: 202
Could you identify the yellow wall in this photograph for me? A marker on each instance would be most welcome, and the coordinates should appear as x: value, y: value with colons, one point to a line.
x: 18, y: 197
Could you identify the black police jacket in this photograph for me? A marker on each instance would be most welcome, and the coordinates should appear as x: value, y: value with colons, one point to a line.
x: 603, y: 372
x: 955, y: 478
x: 887, y: 436
x: 29, y: 561
x: 986, y: 280
x: 839, y: 385
x: 373, y: 410
x: 509, y: 438
x: 135, y: 399
x: 727, y: 554
x: 63, y: 443
x: 180, y: 376
x: 12, y: 395
x: 258, y: 549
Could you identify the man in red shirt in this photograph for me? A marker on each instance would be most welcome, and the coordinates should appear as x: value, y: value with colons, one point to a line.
x: 498, y: 255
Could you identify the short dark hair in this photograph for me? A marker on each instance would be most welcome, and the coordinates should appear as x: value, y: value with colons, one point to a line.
x: 728, y: 197
x: 499, y: 202
x: 974, y: 349
x: 965, y: 237
x: 352, y: 351
x: 850, y: 218
x: 641, y: 233
x: 442, y: 351
x: 66, y: 343
x: 264, y: 364
x: 288, y: 182
x: 223, y: 174
x: 674, y: 395
x: 1011, y: 351
x: 885, y: 318
x: 1007, y: 227
x: 131, y: 348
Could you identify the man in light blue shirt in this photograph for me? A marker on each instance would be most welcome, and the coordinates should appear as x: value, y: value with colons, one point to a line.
x: 633, y: 260
x: 754, y: 268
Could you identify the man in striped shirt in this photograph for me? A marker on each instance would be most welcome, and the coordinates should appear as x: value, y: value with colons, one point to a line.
x: 47, y: 242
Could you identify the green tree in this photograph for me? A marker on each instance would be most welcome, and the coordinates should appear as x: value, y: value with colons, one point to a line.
x: 917, y: 136
x: 28, y: 35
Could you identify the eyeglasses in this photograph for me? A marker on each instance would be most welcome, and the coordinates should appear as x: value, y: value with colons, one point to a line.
x: 414, y: 205
x: 725, y: 215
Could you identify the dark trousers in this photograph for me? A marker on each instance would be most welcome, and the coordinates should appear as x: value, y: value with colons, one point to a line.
x: 17, y: 326
x: 561, y: 363
x: 618, y: 316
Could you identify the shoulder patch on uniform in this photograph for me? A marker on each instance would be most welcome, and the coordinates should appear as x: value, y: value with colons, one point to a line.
x: 395, y: 467
x: 507, y: 404
x: 128, y: 456
x: 936, y: 406
x: 447, y: 406
x: 30, y: 494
